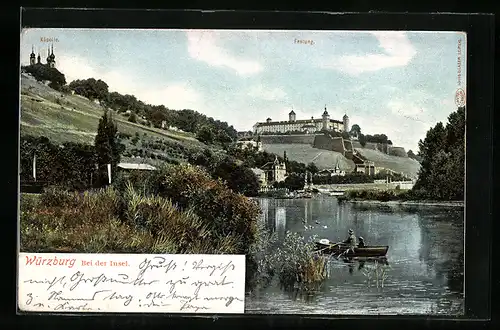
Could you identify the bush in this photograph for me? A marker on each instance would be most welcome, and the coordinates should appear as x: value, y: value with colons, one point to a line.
x: 105, y: 221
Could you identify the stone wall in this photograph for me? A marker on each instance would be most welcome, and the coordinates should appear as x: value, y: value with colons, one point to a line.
x: 323, y: 141
x: 288, y: 139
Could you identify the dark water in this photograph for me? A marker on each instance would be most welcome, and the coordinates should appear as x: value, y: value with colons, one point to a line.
x: 425, y: 270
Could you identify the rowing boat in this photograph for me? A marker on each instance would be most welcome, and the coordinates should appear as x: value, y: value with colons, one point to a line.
x: 343, y: 249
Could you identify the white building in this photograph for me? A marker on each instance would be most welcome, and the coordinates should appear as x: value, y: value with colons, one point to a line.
x: 306, y: 126
x: 243, y: 144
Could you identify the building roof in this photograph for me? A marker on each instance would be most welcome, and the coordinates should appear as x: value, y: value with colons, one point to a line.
x: 292, y: 112
x: 132, y: 166
x: 297, y: 122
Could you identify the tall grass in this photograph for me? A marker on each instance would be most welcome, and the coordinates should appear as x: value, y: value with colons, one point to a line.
x: 103, y: 221
x: 291, y: 262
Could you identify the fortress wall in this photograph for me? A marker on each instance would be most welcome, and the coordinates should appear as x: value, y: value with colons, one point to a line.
x: 348, y: 145
x: 338, y: 145
x: 349, y: 149
x: 323, y: 142
x: 287, y: 139
x: 397, y: 151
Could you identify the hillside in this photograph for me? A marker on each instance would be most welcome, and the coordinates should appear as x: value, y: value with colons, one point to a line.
x: 306, y: 154
x: 72, y: 118
x: 324, y: 159
x: 399, y: 164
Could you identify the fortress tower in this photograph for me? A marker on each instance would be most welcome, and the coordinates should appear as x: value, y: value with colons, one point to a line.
x: 291, y: 116
x: 32, y: 56
x: 326, y: 119
x: 345, y: 120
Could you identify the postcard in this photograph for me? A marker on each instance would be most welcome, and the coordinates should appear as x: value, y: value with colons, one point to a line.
x: 242, y: 171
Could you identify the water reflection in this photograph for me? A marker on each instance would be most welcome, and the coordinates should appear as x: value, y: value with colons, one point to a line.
x: 424, y: 272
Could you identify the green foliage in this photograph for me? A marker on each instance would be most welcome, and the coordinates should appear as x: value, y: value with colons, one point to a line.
x: 442, y: 173
x: 292, y: 262
x: 355, y: 130
x: 107, y: 146
x: 43, y: 72
x: 70, y: 164
x: 90, y: 88
x: 227, y: 212
x: 294, y: 181
x: 105, y: 221
x: 205, y: 134
x: 132, y: 118
x: 311, y: 167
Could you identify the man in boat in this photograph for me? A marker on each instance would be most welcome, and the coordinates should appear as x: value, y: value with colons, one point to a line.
x: 351, y: 241
x: 361, y: 242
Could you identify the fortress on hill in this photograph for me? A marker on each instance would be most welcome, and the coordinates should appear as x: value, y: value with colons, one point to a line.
x: 306, y: 126
x: 314, y: 140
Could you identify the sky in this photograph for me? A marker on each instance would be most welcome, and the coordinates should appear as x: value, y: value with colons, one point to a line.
x: 392, y: 82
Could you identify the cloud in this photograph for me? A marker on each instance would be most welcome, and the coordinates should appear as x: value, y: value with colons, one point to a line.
x: 75, y: 67
x: 177, y: 95
x: 405, y: 109
x: 268, y: 94
x: 203, y: 46
x: 398, y: 51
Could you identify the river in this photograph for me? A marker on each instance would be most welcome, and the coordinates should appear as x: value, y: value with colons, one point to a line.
x: 425, y: 267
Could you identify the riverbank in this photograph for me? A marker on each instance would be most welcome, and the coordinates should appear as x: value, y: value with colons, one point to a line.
x: 396, y: 197
x: 410, y: 203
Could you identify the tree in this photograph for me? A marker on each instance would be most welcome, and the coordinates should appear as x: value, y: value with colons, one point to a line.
x: 107, y: 146
x: 311, y: 167
x: 45, y: 73
x: 132, y: 118
x: 442, y: 151
x: 362, y: 140
x: 355, y: 130
x: 206, y: 135
x: 91, y: 89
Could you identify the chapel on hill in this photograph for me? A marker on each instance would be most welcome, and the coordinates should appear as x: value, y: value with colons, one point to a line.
x: 36, y: 60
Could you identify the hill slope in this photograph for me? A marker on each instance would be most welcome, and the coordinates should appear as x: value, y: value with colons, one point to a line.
x: 62, y: 117
x: 73, y: 118
x: 305, y: 153
x: 324, y: 159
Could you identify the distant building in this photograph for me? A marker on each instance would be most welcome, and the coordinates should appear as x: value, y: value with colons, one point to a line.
x: 336, y: 171
x: 362, y: 165
x: 274, y: 171
x: 247, y: 143
x: 134, y: 166
x: 306, y: 126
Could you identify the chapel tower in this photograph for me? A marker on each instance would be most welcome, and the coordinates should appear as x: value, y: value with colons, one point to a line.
x: 32, y: 56
x: 51, y: 58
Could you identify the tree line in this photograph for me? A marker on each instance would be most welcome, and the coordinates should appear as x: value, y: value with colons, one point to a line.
x: 442, y: 171
x: 207, y: 129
